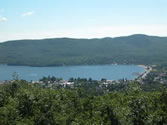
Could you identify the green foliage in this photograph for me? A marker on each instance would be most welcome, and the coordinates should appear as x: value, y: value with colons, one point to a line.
x: 135, y: 49
x: 35, y: 105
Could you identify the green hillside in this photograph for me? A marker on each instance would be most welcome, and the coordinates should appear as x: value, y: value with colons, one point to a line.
x: 134, y: 49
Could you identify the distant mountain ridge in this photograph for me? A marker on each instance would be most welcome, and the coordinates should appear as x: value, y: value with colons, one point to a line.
x: 134, y: 49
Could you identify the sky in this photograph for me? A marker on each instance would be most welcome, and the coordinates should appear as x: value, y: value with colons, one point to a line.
x: 38, y: 19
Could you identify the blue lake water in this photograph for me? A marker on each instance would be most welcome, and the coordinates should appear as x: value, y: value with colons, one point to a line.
x: 96, y: 72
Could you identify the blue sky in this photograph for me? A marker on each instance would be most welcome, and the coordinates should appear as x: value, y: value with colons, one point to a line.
x: 31, y: 19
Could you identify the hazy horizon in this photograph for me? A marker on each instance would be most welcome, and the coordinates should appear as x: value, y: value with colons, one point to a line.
x: 78, y: 37
x: 39, y: 19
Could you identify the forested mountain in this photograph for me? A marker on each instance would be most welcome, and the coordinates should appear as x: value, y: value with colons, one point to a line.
x: 134, y: 49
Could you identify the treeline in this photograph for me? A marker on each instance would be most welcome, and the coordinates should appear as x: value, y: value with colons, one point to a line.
x: 22, y: 103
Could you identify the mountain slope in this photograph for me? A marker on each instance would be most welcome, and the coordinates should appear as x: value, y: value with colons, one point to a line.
x: 134, y: 49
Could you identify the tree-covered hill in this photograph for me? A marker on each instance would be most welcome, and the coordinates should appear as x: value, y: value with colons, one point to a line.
x: 134, y: 49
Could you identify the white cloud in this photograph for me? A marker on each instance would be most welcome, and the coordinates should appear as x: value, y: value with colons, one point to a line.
x: 27, y: 14
x: 3, y: 19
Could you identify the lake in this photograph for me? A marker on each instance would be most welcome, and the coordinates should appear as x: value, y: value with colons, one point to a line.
x: 96, y: 72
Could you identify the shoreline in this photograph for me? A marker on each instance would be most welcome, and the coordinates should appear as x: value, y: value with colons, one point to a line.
x: 115, y: 64
x: 148, y: 69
